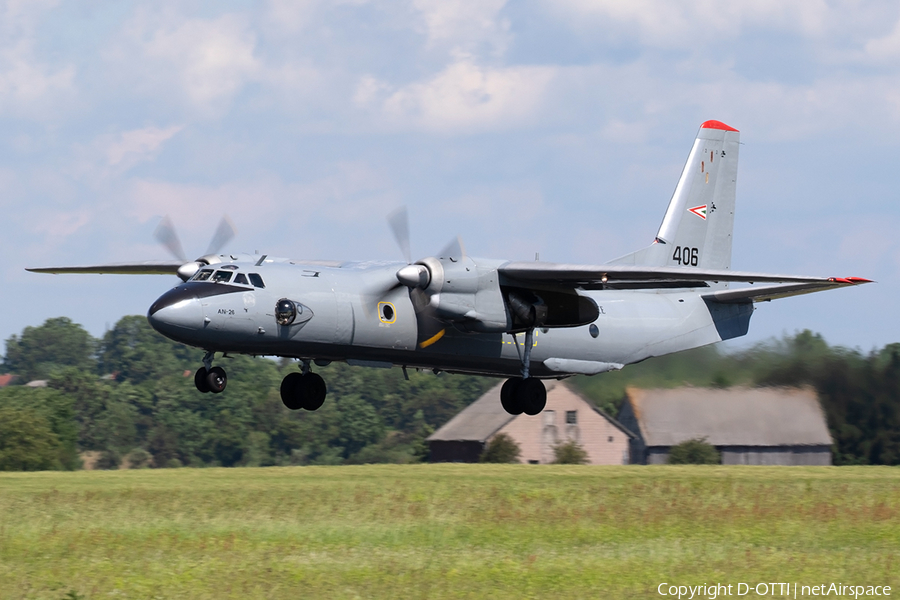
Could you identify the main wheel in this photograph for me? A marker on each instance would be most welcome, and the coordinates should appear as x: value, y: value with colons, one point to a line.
x: 200, y: 380
x: 509, y: 396
x: 290, y: 391
x: 314, y: 391
x: 216, y: 379
x: 532, y: 396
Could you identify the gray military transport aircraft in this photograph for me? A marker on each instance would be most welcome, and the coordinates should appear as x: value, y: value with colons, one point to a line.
x: 453, y: 312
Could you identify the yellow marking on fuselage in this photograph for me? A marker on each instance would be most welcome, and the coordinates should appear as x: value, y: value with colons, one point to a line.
x: 433, y: 339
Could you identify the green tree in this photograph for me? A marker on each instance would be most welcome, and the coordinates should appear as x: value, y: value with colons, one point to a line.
x: 27, y: 442
x: 43, y: 350
x: 135, y: 352
x: 569, y: 453
x: 694, y: 452
x: 56, y: 409
x: 501, y: 449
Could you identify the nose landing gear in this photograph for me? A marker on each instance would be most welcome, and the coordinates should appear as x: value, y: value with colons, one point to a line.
x: 303, y: 390
x: 209, y: 378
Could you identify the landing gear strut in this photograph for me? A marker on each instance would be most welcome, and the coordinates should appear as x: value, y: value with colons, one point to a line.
x: 524, y: 394
x: 209, y: 378
x: 303, y: 390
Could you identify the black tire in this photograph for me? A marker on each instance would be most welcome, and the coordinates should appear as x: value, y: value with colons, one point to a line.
x: 200, y: 380
x: 509, y: 396
x: 290, y: 391
x: 216, y: 379
x: 314, y: 391
x: 532, y: 396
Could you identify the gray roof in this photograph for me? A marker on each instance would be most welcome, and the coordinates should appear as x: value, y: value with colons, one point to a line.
x: 484, y: 417
x: 477, y: 422
x: 733, y: 417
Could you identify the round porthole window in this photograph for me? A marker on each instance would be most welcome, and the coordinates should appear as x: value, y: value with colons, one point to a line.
x: 387, y: 313
x: 285, y: 312
x: 594, y: 330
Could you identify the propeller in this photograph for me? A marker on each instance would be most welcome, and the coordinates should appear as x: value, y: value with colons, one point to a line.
x: 416, y: 277
x: 166, y: 235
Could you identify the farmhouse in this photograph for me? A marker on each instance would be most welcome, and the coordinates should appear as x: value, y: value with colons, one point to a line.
x: 567, y: 416
x: 749, y: 426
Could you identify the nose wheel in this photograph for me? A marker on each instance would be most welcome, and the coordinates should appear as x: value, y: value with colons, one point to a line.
x: 303, y: 390
x: 209, y: 378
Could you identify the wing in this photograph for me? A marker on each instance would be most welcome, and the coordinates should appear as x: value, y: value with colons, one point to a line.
x: 140, y: 268
x: 598, y: 277
x: 774, y: 292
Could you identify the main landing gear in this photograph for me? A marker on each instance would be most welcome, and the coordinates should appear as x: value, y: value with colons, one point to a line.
x: 303, y: 390
x: 524, y: 394
x: 520, y: 395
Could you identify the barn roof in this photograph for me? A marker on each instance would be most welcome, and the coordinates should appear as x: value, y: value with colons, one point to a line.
x: 737, y: 416
x: 484, y: 417
x: 477, y: 422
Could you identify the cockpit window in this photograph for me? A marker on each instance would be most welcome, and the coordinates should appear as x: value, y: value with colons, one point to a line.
x: 222, y: 276
x: 241, y: 278
x: 230, y: 267
x: 256, y: 280
x: 203, y: 275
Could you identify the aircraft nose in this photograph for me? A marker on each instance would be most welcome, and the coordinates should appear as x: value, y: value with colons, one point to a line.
x: 177, y: 309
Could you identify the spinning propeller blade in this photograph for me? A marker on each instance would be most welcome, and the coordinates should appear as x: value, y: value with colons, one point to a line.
x: 224, y: 233
x: 166, y: 235
x: 399, y: 223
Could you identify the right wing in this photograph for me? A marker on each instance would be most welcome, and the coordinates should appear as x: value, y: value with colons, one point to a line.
x: 140, y: 268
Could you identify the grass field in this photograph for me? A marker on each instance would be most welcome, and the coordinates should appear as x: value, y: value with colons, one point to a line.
x: 443, y: 531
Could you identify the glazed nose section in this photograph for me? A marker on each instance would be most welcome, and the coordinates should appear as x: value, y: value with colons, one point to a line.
x: 176, y: 310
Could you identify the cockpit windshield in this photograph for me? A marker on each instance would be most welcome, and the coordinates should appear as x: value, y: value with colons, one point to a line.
x: 203, y: 275
x: 241, y: 278
x: 222, y: 276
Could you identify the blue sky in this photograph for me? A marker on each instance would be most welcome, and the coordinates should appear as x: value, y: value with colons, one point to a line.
x: 554, y: 127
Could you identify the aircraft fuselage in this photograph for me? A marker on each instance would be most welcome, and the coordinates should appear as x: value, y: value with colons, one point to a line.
x: 336, y: 321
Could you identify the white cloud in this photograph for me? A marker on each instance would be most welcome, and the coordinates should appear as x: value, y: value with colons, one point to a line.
x: 131, y: 147
x: 200, y: 62
x: 695, y: 23
x: 463, y: 98
x: 464, y: 25
x: 28, y: 86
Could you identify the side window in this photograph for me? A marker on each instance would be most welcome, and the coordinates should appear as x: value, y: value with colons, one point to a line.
x: 256, y: 280
x: 203, y: 275
x: 241, y: 278
x: 222, y: 276
x: 571, y: 417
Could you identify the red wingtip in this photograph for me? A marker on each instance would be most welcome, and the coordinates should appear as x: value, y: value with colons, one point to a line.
x: 717, y: 125
x: 839, y: 280
x: 858, y: 280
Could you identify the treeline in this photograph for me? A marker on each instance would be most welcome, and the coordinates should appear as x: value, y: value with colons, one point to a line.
x: 129, y: 399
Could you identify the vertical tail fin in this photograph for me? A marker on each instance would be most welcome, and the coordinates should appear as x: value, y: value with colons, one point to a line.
x: 697, y: 228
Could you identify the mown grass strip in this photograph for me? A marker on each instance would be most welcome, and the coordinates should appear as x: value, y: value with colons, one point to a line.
x: 442, y: 531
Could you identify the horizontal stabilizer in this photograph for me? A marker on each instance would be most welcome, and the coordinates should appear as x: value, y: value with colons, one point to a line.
x: 774, y: 292
x: 141, y: 268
